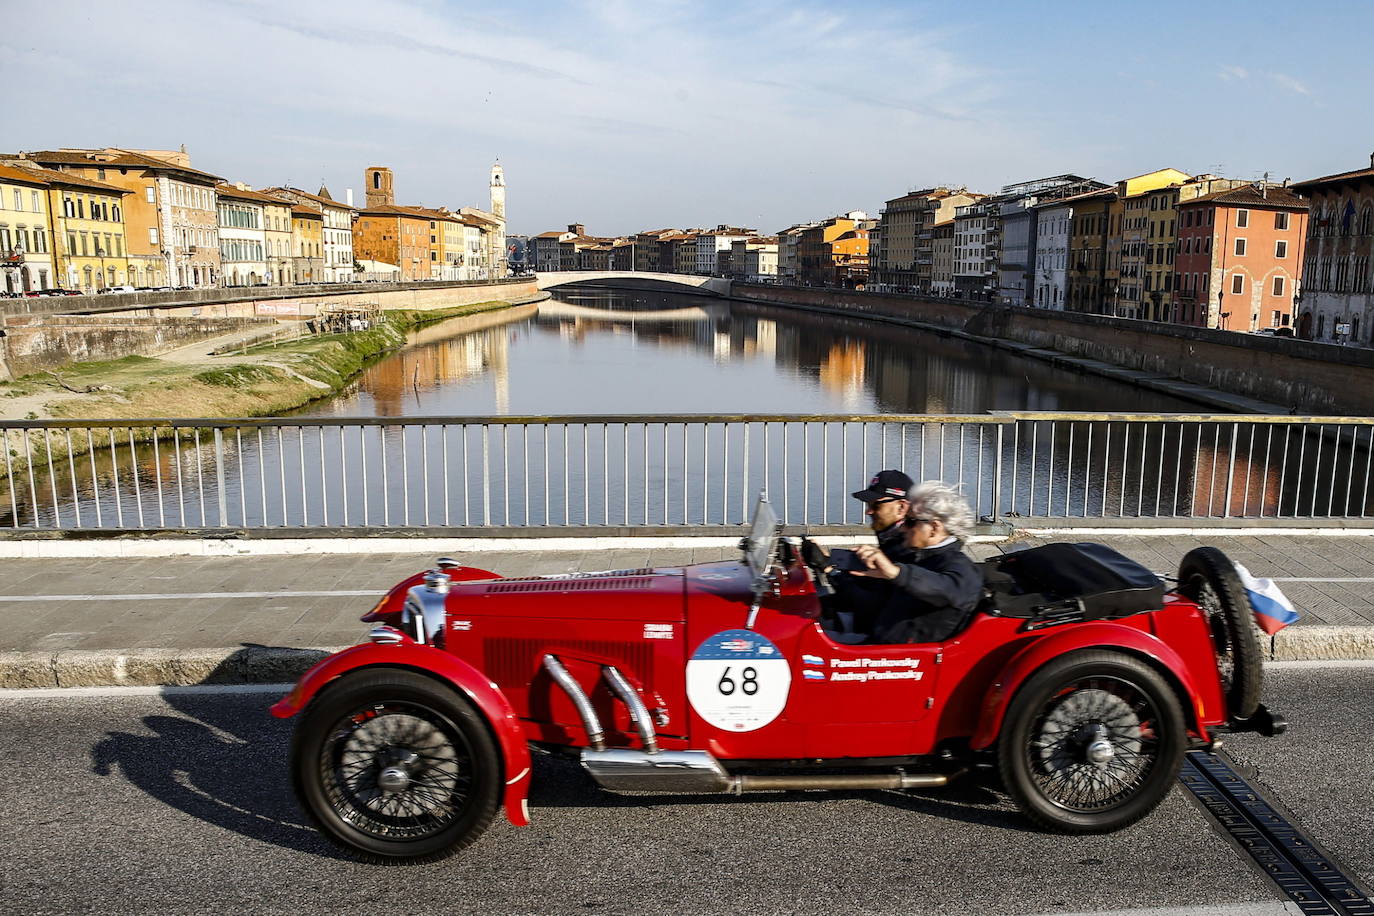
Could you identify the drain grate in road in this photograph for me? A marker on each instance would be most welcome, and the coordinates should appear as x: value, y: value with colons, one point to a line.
x: 1280, y: 850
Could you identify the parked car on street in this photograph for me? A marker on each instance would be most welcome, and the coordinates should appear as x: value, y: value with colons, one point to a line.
x: 117, y: 289
x: 1081, y: 680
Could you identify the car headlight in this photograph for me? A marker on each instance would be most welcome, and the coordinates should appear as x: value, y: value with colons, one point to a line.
x: 424, y: 614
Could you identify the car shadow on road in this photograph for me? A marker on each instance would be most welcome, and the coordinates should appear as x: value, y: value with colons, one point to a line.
x: 222, y: 758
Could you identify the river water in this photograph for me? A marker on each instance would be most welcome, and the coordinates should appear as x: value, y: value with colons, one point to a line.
x: 631, y: 352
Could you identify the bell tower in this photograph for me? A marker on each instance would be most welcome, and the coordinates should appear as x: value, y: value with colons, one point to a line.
x: 377, y: 181
x: 498, y: 192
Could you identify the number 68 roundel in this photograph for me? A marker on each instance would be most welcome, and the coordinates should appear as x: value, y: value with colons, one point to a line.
x: 737, y: 680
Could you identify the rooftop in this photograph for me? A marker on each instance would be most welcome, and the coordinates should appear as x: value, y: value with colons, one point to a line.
x: 116, y: 158
x: 53, y: 176
x: 1251, y: 196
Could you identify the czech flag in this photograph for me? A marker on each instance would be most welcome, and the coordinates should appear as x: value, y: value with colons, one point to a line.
x: 1273, y: 610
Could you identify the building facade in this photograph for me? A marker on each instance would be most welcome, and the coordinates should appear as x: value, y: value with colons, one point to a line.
x: 1092, y: 226
x: 1054, y: 224
x: 1240, y: 258
x: 393, y: 236
x: 169, y: 210
x: 242, y: 236
x: 975, y: 259
x: 25, y: 231
x: 307, y: 244
x: 1337, y: 303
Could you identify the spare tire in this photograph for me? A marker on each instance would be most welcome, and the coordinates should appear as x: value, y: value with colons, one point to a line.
x: 1208, y: 577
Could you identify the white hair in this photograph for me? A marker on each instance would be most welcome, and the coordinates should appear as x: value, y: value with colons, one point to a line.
x: 937, y: 500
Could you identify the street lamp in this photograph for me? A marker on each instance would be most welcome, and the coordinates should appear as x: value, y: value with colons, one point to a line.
x: 100, y: 253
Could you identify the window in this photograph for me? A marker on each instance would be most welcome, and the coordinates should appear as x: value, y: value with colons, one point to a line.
x: 1240, y: 246
x: 1280, y: 220
x: 1242, y: 218
x: 150, y: 194
x: 1278, y: 286
x: 18, y: 199
x: 37, y: 207
x: 1238, y: 284
x: 1280, y: 249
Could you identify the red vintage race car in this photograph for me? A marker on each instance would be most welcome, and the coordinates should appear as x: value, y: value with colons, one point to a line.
x: 724, y: 678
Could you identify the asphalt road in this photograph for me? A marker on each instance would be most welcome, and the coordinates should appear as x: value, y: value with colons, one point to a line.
x: 179, y: 802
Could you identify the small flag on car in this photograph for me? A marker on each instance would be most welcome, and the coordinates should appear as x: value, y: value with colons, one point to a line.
x: 1273, y: 610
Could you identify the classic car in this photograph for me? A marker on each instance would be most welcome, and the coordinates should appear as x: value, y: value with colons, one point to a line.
x: 1079, y: 680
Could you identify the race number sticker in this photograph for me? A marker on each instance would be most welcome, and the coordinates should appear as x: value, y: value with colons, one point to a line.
x: 737, y: 680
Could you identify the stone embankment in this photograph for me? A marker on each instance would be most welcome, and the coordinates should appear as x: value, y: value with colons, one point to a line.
x: 1297, y: 376
x: 262, y: 380
x: 51, y: 333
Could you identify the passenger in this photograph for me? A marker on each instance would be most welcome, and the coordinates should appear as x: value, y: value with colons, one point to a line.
x: 934, y: 595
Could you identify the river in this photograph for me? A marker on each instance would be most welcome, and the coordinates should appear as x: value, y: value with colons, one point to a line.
x: 599, y: 351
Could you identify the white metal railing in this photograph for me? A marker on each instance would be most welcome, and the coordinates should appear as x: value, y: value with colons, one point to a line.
x: 668, y: 471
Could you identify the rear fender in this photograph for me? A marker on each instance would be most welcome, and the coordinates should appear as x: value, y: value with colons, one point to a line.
x: 461, y: 676
x: 1086, y: 636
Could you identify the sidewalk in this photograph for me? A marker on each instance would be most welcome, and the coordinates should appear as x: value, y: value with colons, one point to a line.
x: 178, y: 619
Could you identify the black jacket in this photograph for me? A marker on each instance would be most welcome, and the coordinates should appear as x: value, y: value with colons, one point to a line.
x: 892, y: 542
x: 933, y: 597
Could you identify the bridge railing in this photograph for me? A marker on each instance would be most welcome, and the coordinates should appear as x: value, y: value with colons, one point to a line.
x: 669, y: 472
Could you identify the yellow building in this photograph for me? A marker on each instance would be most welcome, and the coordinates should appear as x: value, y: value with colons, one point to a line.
x: 307, y: 242
x: 280, y: 241
x: 1132, y: 294
x: 87, y: 221
x: 25, y: 232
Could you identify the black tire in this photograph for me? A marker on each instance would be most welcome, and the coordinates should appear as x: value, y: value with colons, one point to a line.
x: 1207, y: 577
x: 1051, y: 752
x: 395, y: 767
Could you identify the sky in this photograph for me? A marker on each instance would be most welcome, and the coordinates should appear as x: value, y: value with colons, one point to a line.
x: 656, y: 113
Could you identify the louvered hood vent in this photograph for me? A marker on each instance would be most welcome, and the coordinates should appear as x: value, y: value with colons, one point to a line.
x: 615, y: 580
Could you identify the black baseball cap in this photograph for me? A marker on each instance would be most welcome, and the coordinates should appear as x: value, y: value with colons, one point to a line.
x: 885, y: 485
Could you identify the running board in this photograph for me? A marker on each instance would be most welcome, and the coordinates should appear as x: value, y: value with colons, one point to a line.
x: 698, y: 772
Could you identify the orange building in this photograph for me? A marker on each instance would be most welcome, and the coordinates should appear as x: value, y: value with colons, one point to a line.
x: 1239, y: 257
x: 835, y: 252
x: 395, y: 235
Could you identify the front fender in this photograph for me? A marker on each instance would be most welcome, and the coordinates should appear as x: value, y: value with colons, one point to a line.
x: 1085, y: 636
x: 463, y: 677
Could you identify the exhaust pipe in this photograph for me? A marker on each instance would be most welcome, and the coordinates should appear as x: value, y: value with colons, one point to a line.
x: 791, y: 781
x: 595, y: 736
x: 639, y: 713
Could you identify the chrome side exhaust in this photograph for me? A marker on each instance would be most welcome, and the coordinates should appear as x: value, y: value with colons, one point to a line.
x: 595, y: 736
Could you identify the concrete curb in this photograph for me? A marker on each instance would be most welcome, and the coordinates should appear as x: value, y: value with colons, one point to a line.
x: 155, y: 667
x: 278, y: 665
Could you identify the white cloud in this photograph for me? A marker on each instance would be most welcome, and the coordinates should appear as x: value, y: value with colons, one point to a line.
x: 1288, y: 83
x: 1231, y: 72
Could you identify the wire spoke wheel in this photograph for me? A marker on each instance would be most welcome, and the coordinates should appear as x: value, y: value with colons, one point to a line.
x: 1091, y: 742
x: 1209, y: 578
x: 395, y: 766
x: 396, y: 771
x: 1094, y: 745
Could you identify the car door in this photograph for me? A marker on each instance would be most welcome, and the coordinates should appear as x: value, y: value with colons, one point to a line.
x: 883, y: 690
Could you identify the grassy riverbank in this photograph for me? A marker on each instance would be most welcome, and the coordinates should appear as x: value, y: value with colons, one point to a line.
x: 265, y: 380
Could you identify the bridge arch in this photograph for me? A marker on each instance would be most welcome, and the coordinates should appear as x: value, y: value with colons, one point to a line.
x: 550, y: 279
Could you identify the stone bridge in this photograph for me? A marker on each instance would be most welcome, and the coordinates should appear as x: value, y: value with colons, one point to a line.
x: 712, y: 285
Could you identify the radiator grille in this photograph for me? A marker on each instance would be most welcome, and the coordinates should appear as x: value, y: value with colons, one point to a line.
x: 513, y: 662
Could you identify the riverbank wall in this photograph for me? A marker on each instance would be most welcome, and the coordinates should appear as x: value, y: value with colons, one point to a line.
x: 1308, y: 378
x: 109, y: 327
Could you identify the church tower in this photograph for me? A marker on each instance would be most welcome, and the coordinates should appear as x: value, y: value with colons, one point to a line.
x: 377, y: 181
x: 498, y: 192
x: 497, y: 255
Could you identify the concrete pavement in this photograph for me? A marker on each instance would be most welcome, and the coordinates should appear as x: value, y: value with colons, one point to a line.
x: 91, y: 621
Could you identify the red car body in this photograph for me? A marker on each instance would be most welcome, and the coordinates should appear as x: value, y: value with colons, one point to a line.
x: 855, y: 706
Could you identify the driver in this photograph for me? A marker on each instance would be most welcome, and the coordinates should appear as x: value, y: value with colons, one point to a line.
x: 857, y: 600
x: 933, y: 596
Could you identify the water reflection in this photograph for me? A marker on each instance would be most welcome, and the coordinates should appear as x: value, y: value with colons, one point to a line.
x: 613, y: 352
